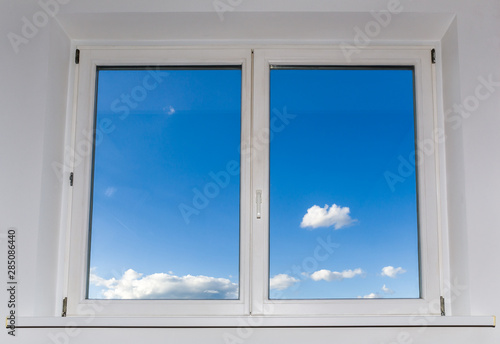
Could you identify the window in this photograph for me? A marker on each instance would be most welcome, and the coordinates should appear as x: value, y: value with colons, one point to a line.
x: 271, y: 173
x: 156, y: 221
x: 265, y: 182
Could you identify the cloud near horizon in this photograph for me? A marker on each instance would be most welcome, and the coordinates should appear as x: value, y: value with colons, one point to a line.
x: 387, y: 290
x: 327, y: 216
x: 391, y: 271
x: 134, y: 285
x: 328, y: 275
x: 370, y: 296
x: 282, y: 282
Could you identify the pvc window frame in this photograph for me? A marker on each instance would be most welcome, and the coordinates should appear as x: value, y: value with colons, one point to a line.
x: 254, y: 232
x: 427, y: 182
x: 90, y: 59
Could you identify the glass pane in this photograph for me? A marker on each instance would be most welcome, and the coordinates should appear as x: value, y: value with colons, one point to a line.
x: 165, y: 195
x: 343, y: 200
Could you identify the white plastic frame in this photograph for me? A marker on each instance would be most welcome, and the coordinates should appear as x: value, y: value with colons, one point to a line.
x: 420, y: 59
x: 79, y: 233
x: 254, y: 238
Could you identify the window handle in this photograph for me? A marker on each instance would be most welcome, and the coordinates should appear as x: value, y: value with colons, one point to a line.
x: 258, y: 200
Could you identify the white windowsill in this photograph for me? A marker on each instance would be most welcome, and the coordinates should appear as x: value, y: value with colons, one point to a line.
x: 257, y: 321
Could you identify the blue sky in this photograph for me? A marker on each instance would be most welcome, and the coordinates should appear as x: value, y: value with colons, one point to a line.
x: 167, y: 145
x: 350, y: 127
x: 167, y: 134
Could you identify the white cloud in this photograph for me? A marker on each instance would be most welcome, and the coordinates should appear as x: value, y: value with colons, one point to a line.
x: 282, y: 282
x: 133, y: 285
x: 328, y: 275
x: 169, y: 110
x: 370, y: 296
x: 387, y: 290
x: 324, y: 217
x: 391, y: 271
x: 109, y: 191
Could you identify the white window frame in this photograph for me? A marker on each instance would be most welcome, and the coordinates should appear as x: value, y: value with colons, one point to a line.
x: 90, y: 59
x: 420, y: 59
x: 254, y: 232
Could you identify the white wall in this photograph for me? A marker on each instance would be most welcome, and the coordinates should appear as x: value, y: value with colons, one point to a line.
x: 34, y: 86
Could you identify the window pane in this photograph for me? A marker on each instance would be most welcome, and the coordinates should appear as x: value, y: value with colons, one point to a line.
x: 165, y: 196
x: 341, y: 226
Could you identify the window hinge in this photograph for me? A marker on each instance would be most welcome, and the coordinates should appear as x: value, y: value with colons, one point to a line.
x: 433, y: 56
x: 65, y: 307
x: 71, y: 179
x: 442, y: 306
x: 77, y: 56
